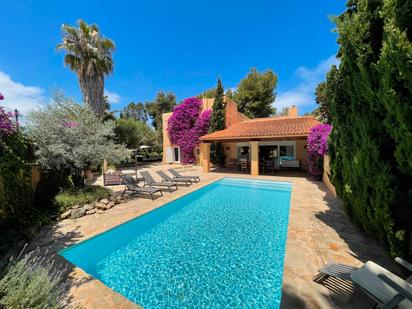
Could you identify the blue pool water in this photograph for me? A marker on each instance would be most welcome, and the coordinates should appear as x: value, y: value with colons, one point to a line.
x: 221, y: 246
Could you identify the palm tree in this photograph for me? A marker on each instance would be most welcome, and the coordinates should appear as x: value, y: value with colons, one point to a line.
x: 90, y: 56
x: 108, y: 115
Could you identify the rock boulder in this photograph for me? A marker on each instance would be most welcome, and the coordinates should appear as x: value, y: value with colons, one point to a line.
x: 77, y: 213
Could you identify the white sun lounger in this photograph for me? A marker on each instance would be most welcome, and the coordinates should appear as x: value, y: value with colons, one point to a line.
x: 385, y: 288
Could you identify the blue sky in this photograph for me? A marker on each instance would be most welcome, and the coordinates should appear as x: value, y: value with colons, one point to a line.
x: 179, y: 46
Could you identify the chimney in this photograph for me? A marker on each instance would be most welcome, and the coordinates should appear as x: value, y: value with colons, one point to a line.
x: 293, y: 111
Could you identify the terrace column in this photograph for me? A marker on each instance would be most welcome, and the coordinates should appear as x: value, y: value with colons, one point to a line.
x: 205, y: 157
x: 254, y: 158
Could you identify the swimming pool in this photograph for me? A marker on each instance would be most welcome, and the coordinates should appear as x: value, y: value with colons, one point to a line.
x: 218, y: 247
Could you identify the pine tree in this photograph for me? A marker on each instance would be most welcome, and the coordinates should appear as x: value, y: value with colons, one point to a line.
x: 163, y: 103
x: 255, y: 94
x: 217, y: 122
x: 136, y: 111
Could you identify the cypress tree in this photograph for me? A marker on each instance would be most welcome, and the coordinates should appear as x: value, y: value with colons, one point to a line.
x: 370, y: 108
x: 218, y: 122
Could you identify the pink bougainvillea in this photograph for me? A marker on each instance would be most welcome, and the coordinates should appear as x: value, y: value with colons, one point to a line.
x: 7, y: 125
x: 186, y: 125
x: 71, y: 124
x: 317, y: 148
x: 8, y: 121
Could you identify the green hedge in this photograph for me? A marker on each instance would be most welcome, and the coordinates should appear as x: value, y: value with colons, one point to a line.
x: 16, y: 196
x: 370, y: 98
x: 22, y: 211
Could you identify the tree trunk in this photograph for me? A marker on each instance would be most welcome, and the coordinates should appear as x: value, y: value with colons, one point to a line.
x: 78, y: 179
x: 92, y: 87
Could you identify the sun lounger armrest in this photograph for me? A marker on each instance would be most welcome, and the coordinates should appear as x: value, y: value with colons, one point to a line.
x: 404, y: 263
x: 395, y: 286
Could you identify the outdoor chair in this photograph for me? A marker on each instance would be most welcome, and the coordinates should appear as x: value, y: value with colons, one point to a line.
x: 385, y: 288
x: 166, y: 178
x: 270, y: 166
x: 112, y: 179
x: 177, y: 175
x: 131, y: 186
x: 148, y: 179
x: 243, y: 166
x: 232, y: 163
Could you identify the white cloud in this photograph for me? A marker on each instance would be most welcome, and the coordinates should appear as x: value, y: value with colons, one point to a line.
x: 303, y: 93
x: 113, y: 97
x: 20, y: 97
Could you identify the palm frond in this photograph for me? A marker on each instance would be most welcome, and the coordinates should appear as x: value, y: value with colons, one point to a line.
x: 84, y: 27
x: 72, y: 61
x: 88, y: 53
x: 94, y: 27
x: 69, y: 30
x: 108, y: 44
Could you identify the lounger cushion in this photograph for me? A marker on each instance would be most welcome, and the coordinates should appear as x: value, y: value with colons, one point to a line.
x: 367, y: 278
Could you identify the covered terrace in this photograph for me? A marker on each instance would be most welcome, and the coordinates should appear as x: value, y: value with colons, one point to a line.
x: 261, y: 145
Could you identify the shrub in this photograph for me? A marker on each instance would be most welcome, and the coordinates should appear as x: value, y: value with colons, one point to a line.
x: 186, y: 125
x: 51, y: 183
x: 22, y: 212
x: 31, y: 282
x: 17, y: 212
x: 317, y: 148
x: 88, y: 194
x: 15, y: 176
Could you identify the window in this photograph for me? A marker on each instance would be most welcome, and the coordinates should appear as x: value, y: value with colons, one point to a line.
x: 287, y: 152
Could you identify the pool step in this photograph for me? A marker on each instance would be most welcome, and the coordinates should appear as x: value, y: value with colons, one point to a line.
x: 258, y: 184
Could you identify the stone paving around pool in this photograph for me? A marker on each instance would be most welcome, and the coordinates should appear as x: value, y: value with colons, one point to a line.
x: 319, y: 232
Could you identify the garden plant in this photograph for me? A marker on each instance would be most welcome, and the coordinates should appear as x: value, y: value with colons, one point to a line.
x: 186, y: 125
x: 317, y: 149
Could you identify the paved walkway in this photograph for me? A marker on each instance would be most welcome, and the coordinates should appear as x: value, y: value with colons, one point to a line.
x: 319, y: 232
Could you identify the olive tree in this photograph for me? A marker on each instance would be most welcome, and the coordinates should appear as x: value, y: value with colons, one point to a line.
x: 69, y: 137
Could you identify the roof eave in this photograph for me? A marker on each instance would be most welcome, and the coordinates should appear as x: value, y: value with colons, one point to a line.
x: 256, y: 137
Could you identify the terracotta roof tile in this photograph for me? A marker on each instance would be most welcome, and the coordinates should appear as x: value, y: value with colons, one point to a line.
x: 265, y: 128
